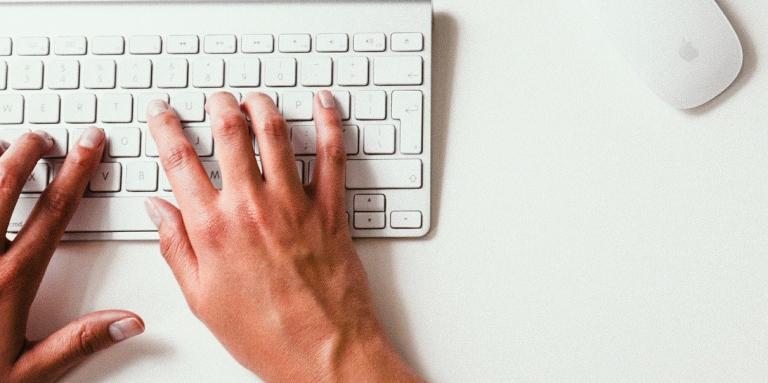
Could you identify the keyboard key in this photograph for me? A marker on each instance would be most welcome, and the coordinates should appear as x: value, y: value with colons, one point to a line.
x: 220, y: 44
x: 12, y: 134
x: 244, y: 72
x: 124, y: 142
x: 297, y: 106
x: 66, y: 46
x: 398, y: 70
x: 165, y: 184
x: 99, y: 74
x: 280, y: 72
x: 371, y: 105
x: 316, y: 71
x: 60, y: 142
x: 190, y: 106
x: 295, y: 43
x: 62, y: 74
x: 11, y: 109
x: 135, y: 73
x: 108, y: 45
x: 38, y: 180
x: 407, y: 42
x: 370, y: 221
x: 332, y: 42
x: 351, y: 139
x: 370, y: 42
x: 408, y: 108
x: 342, y: 103
x: 214, y: 173
x: 258, y: 44
x: 145, y: 45
x: 141, y: 176
x: 26, y: 74
x: 379, y: 139
x: 405, y: 220
x: 107, y: 178
x: 43, y: 108
x: 384, y: 174
x: 369, y: 202
x: 182, y: 44
x: 304, y: 139
x: 79, y: 108
x: 353, y: 71
x: 6, y: 46
x: 116, y: 107
x: 3, y: 74
x: 143, y: 100
x: 207, y: 72
x: 171, y: 73
x: 201, y: 139
x: 32, y: 46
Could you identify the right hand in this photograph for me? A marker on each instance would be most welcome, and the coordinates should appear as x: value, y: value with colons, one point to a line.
x: 267, y: 263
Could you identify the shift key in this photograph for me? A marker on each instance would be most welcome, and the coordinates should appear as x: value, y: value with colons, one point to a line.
x: 384, y: 174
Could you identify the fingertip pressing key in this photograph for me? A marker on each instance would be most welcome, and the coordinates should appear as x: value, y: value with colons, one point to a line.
x: 326, y: 99
x: 47, y: 137
x: 156, y: 108
x: 91, y: 138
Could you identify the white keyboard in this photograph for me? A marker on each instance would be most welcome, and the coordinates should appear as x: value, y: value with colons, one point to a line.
x: 62, y: 82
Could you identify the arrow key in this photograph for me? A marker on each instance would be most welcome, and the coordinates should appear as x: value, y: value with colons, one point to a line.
x: 370, y: 202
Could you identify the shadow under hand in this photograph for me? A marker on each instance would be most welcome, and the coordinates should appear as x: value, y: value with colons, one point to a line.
x: 377, y: 256
x: 748, y: 67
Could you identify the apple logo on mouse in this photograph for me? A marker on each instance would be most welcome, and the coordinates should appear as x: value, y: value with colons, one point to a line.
x: 688, y: 51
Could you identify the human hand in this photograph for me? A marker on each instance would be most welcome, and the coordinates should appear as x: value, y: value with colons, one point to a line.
x: 267, y: 263
x: 23, y: 262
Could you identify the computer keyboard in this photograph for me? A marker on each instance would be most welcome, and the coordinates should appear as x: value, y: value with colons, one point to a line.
x: 61, y: 83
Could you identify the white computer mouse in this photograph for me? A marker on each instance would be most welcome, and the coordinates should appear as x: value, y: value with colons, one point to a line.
x: 686, y: 50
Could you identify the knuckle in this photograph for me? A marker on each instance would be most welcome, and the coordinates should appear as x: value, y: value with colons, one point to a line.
x: 230, y: 122
x: 334, y: 154
x: 9, y: 180
x: 86, y: 341
x: 179, y: 157
x: 57, y: 203
x: 273, y: 125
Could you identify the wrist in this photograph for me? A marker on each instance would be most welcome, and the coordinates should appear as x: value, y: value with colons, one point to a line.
x: 372, y: 359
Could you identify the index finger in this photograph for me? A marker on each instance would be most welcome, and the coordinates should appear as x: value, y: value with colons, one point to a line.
x: 57, y: 204
x: 190, y: 183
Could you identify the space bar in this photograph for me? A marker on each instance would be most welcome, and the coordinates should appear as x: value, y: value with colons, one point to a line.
x: 95, y: 215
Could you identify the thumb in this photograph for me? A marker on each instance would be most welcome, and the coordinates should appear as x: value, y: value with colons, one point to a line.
x: 174, y: 240
x: 49, y: 359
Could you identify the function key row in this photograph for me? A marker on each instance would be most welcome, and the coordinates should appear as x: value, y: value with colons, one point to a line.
x: 211, y: 44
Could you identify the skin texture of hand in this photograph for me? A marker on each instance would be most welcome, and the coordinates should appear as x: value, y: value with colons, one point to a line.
x: 267, y: 263
x: 24, y: 260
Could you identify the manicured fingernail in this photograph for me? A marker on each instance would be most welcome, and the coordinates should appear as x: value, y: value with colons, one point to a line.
x: 156, y: 107
x: 154, y: 214
x: 4, y: 145
x: 326, y: 99
x: 124, y: 329
x: 45, y: 135
x: 91, y: 138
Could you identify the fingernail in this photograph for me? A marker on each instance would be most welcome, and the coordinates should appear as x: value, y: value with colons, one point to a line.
x: 156, y: 107
x: 4, y: 145
x: 91, y: 138
x: 154, y: 214
x: 326, y: 99
x: 124, y: 329
x: 45, y: 135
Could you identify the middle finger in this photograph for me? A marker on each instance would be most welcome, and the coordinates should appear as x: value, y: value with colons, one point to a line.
x: 16, y: 164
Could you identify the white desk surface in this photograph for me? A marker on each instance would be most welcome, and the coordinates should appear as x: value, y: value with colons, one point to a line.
x: 583, y: 230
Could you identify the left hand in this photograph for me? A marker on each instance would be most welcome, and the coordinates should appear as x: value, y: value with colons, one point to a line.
x: 23, y: 262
